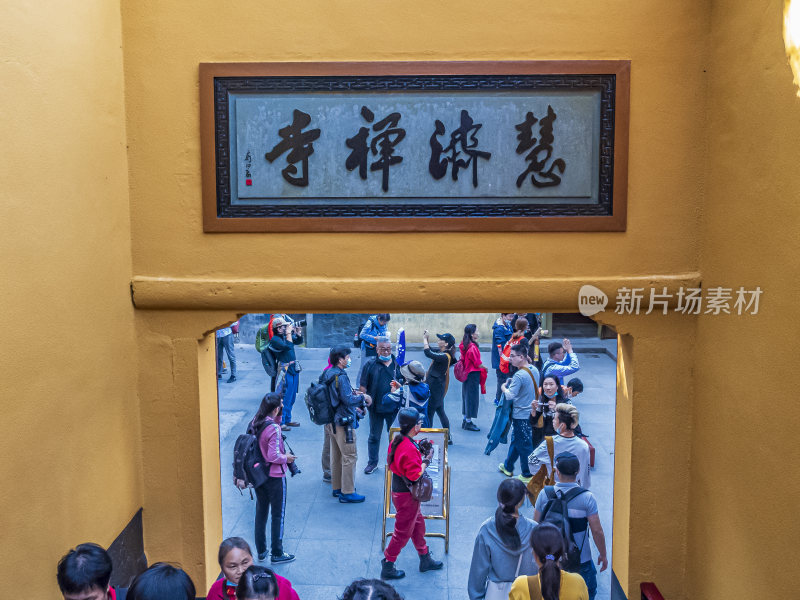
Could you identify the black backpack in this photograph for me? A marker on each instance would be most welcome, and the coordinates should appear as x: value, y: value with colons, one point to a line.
x: 555, y: 512
x: 250, y: 469
x: 319, y: 402
x: 357, y: 336
x: 270, y: 362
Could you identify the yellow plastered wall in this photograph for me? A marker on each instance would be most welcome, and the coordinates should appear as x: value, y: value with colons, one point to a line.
x: 743, y: 529
x: 165, y: 42
x: 713, y: 185
x: 69, y: 449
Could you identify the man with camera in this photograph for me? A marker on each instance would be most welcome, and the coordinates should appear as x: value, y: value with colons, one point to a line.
x: 349, y: 406
x: 282, y: 345
x: 377, y: 375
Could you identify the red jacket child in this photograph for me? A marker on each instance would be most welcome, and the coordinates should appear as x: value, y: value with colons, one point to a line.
x: 220, y: 591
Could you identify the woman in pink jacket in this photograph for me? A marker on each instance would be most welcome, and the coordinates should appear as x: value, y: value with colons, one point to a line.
x: 476, y: 377
x: 272, y: 493
x: 235, y: 558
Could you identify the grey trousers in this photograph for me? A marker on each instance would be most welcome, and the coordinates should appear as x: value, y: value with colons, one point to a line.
x: 225, y: 343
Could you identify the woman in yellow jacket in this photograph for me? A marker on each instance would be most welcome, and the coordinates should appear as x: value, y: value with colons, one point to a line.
x: 551, y: 583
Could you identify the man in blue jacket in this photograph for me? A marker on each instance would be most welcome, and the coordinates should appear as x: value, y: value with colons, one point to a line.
x: 501, y: 333
x: 562, y: 362
x: 350, y: 407
x: 374, y: 328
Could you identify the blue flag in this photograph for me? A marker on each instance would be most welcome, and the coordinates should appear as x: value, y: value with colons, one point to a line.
x: 401, y: 346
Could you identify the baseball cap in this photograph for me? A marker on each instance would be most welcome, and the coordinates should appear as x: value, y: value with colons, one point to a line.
x: 408, y: 417
x: 447, y: 337
x: 567, y: 463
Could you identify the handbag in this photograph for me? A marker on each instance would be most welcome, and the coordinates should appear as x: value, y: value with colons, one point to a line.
x: 460, y: 370
x: 542, y: 477
x: 421, y: 489
x: 499, y: 590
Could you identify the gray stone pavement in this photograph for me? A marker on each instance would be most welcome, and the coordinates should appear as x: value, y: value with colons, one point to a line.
x: 336, y: 543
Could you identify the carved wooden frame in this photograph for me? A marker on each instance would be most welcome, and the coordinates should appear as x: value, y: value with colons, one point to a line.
x: 612, y: 77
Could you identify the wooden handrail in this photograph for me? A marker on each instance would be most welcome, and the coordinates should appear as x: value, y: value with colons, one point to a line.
x: 650, y: 591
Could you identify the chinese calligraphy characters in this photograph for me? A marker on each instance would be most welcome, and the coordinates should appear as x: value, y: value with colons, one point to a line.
x: 539, y: 177
x: 377, y: 142
x: 382, y: 144
x: 300, y: 143
x: 462, y: 140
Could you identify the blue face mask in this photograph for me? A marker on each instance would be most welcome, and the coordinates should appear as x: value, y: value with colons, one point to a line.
x: 229, y: 582
x: 349, y: 362
x: 385, y: 357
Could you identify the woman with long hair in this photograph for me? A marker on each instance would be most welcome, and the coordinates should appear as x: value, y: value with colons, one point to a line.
x: 438, y: 378
x: 407, y: 465
x: 503, y: 547
x: 271, y: 493
x: 235, y: 558
x: 542, y: 417
x: 476, y: 370
x: 551, y: 583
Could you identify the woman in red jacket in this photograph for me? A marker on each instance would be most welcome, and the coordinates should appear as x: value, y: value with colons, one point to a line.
x: 476, y: 377
x: 235, y: 558
x: 407, y: 464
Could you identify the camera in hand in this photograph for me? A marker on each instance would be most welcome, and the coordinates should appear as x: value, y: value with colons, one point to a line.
x: 301, y: 323
x: 292, y: 466
x: 425, y: 446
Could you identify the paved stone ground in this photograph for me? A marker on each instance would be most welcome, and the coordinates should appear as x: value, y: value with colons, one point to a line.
x: 336, y: 543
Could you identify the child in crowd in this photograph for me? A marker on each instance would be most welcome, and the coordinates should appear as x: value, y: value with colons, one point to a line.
x: 85, y: 572
x: 162, y: 581
x: 573, y: 388
x: 260, y: 583
x: 370, y: 589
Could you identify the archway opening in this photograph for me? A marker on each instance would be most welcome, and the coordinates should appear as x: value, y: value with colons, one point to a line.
x: 335, y: 544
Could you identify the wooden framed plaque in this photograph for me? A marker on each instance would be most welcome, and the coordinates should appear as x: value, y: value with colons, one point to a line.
x: 414, y: 146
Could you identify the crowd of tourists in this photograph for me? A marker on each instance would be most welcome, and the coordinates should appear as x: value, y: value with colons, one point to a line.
x: 84, y: 573
x: 514, y: 557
